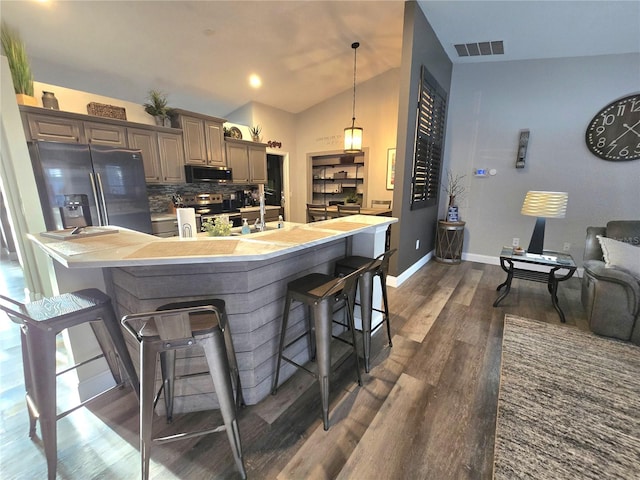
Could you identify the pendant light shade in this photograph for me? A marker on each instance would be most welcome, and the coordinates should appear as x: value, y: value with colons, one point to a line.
x: 353, y: 134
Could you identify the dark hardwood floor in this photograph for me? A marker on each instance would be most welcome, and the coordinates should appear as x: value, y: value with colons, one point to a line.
x: 427, y: 410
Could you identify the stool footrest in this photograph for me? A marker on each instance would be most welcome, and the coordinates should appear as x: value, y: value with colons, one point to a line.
x: 80, y: 405
x: 182, y: 436
x: 79, y: 364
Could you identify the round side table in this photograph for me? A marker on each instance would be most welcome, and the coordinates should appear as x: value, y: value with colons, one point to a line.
x: 449, y: 238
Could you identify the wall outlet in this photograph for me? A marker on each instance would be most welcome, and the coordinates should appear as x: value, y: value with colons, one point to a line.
x: 515, y: 242
x: 566, y: 247
x: 417, y: 244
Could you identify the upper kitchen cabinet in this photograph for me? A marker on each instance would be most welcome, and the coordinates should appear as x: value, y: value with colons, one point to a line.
x: 162, y: 154
x: 105, y: 134
x: 203, y: 137
x: 51, y: 128
x: 247, y: 161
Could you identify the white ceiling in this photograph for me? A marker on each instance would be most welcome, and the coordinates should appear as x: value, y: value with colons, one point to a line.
x: 196, y: 50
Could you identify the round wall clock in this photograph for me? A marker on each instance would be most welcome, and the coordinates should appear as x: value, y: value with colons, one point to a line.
x: 614, y: 133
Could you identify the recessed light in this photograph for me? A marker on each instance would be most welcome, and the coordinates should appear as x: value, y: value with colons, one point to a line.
x: 255, y: 81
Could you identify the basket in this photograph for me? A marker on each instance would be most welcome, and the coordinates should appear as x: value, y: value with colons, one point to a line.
x: 106, y: 111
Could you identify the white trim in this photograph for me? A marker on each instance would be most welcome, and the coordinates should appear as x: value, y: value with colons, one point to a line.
x: 404, y: 276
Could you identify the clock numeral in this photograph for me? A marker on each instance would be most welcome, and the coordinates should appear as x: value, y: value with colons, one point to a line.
x: 608, y: 119
x: 602, y: 141
x: 635, y: 105
x: 624, y: 152
x: 621, y: 108
x: 613, y: 146
x: 637, y: 149
x: 600, y: 130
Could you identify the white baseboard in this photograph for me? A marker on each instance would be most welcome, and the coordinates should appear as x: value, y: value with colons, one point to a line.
x: 404, y: 276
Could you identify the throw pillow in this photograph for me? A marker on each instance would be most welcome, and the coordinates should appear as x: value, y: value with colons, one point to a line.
x: 620, y: 254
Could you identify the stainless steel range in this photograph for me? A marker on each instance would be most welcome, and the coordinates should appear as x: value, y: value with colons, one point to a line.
x: 211, y: 204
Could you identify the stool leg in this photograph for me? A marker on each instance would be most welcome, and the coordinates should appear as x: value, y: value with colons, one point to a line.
x: 366, y: 300
x: 312, y: 336
x: 283, y: 330
x: 108, y: 350
x: 352, y: 326
x: 321, y: 315
x: 148, y: 356
x: 168, y: 368
x: 231, y: 355
x: 385, y: 300
x: 112, y: 325
x: 215, y: 353
x: 28, y: 382
x: 41, y: 346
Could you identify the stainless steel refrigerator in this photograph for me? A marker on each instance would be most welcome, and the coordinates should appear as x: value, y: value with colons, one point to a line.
x: 83, y: 185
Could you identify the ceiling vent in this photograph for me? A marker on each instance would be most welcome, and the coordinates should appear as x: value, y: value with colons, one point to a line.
x: 480, y: 48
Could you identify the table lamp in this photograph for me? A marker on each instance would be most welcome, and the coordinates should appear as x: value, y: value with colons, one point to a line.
x: 543, y: 205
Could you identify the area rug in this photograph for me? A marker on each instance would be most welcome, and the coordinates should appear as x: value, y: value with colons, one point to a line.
x: 568, y: 406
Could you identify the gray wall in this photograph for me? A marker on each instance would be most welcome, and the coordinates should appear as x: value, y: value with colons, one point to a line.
x: 420, y: 46
x: 555, y: 99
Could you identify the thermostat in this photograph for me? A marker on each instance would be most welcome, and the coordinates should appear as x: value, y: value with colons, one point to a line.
x: 481, y: 172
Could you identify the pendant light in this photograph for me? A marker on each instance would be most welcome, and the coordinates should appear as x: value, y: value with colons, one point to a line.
x: 353, y: 134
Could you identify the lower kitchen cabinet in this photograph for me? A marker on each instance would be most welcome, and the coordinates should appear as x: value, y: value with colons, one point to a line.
x: 162, y: 155
x: 247, y: 160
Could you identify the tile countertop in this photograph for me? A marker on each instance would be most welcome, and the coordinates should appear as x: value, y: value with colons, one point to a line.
x: 128, y: 248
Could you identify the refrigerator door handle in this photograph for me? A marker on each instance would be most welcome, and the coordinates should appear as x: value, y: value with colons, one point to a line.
x: 103, y: 202
x: 95, y: 198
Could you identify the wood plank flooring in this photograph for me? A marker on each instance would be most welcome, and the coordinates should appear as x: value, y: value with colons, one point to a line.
x: 426, y: 410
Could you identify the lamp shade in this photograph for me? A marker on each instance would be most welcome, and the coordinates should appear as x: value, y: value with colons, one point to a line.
x: 545, y: 204
x: 352, y: 139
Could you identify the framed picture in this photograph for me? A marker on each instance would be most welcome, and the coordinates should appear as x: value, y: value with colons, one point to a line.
x: 391, y: 167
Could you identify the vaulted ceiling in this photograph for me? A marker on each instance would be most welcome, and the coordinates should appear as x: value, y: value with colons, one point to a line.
x: 202, y: 52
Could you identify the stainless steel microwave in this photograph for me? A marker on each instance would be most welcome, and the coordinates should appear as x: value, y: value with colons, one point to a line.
x: 195, y: 173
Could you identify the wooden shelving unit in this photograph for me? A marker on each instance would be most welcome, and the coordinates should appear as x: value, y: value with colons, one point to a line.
x: 335, y: 176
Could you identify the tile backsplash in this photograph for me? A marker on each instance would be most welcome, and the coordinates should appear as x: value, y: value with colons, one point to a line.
x: 160, y: 195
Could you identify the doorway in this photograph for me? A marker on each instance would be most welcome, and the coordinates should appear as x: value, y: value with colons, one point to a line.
x: 275, y: 190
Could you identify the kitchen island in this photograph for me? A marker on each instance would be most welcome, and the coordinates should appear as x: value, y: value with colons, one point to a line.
x: 250, y: 272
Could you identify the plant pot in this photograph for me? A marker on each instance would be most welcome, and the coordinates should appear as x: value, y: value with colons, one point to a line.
x: 255, y: 138
x: 23, y: 99
x: 159, y: 120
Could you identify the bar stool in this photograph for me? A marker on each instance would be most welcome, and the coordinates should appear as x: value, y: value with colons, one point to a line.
x: 40, y: 322
x: 377, y: 267
x: 183, y: 326
x: 320, y: 293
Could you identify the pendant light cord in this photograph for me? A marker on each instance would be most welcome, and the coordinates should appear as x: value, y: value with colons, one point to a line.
x: 355, y: 46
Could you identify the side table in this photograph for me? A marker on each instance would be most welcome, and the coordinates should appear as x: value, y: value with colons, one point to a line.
x: 449, y: 239
x: 526, y: 270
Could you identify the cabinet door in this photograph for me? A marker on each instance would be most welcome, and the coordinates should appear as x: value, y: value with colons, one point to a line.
x: 147, y: 142
x: 195, y: 148
x: 105, y: 134
x: 171, y: 157
x: 54, y: 129
x: 257, y: 164
x: 238, y: 162
x: 215, y: 143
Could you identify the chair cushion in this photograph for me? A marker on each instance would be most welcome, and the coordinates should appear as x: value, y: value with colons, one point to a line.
x: 620, y: 255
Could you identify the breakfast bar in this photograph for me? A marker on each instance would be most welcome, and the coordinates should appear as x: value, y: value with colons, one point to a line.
x: 249, y: 272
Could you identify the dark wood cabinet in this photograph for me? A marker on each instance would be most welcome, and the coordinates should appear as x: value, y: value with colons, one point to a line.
x: 162, y: 154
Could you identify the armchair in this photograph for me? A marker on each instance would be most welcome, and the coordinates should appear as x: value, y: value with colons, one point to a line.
x: 611, y: 294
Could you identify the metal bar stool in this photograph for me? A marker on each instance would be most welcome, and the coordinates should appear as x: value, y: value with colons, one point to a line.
x: 40, y: 322
x: 163, y: 332
x: 320, y: 293
x: 377, y: 267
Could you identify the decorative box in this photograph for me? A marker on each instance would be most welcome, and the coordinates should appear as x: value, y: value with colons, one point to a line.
x: 106, y: 111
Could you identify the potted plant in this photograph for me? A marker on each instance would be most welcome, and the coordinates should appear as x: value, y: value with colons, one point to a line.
x: 19, y: 66
x: 255, y: 133
x: 157, y: 107
x: 352, y: 197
